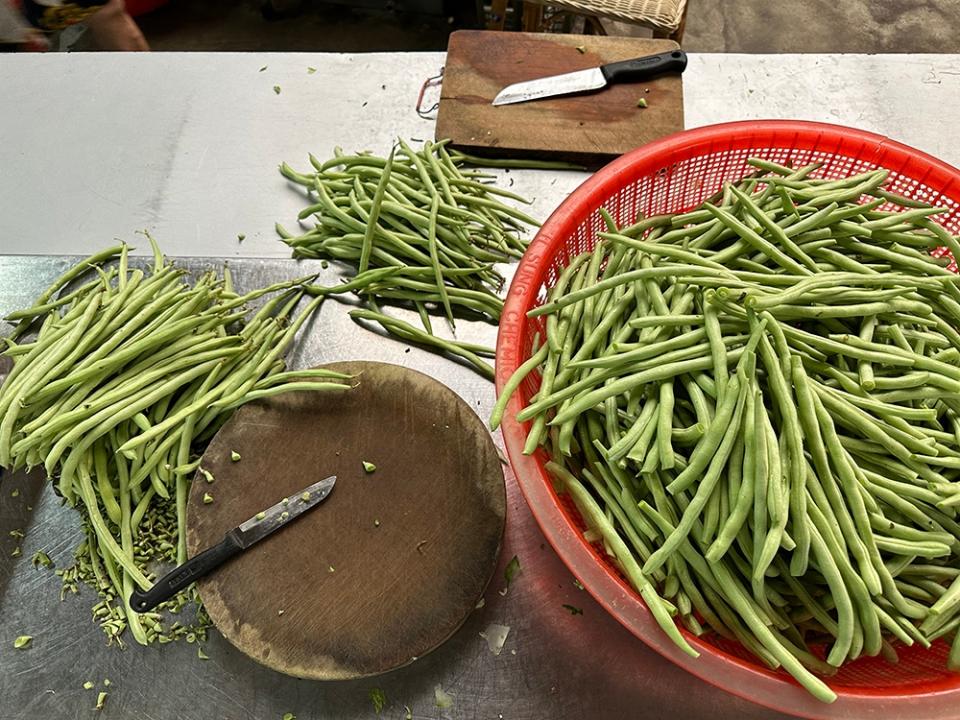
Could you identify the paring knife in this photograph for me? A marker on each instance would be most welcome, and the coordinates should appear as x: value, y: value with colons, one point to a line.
x: 237, y: 540
x: 636, y: 70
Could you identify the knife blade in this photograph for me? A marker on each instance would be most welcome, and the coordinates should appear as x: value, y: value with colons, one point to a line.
x: 636, y: 70
x: 247, y: 533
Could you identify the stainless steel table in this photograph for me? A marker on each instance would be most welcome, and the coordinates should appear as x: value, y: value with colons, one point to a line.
x: 186, y: 145
x: 553, y: 664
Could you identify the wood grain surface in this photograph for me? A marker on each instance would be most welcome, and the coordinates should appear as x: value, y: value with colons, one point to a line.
x: 589, y: 128
x: 391, y: 563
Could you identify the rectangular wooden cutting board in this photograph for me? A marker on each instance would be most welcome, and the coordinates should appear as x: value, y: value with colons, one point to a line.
x: 590, y: 128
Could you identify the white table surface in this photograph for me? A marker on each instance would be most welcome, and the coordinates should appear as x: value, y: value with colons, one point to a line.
x: 98, y: 146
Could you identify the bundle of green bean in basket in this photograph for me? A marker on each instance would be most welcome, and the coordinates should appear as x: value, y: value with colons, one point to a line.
x: 118, y: 383
x: 420, y: 229
x: 755, y: 406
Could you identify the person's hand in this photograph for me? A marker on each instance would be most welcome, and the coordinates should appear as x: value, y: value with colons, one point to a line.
x: 112, y: 28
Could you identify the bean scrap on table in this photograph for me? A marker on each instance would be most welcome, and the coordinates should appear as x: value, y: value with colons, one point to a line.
x: 509, y: 573
x: 442, y: 698
x: 379, y: 700
x: 511, y: 570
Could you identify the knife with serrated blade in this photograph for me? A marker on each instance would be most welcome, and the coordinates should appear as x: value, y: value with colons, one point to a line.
x: 236, y: 541
x: 636, y: 70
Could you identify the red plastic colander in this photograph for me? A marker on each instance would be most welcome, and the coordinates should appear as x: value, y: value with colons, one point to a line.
x: 673, y: 175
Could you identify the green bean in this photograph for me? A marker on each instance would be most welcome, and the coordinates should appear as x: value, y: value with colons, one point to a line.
x: 937, y: 572
x: 665, y: 425
x: 413, y: 208
x: 662, y: 250
x: 11, y: 405
x: 897, y: 199
x: 37, y: 310
x: 755, y: 240
x: 114, y: 363
x: 715, y: 435
x: 623, y: 279
x: 830, y: 214
x: 706, y: 486
x: 777, y: 169
x: 816, y: 485
x: 623, y: 384
x: 637, y: 577
x: 432, y: 239
x: 778, y: 234
x: 104, y: 536
x: 717, y: 348
x: 408, y: 332
x: 664, y: 321
x: 745, y: 495
x: 636, y: 446
x: 65, y: 278
x: 625, y: 357
x: 915, y: 549
x: 361, y: 281
x: 477, y: 161
x: 816, y: 687
x: 843, y: 190
x: 514, y: 382
x: 285, y: 388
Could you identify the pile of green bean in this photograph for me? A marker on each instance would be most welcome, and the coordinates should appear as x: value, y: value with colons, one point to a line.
x: 420, y: 230
x: 755, y: 406
x: 118, y: 382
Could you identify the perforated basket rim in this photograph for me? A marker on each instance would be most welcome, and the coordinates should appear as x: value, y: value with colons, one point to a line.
x: 933, y: 700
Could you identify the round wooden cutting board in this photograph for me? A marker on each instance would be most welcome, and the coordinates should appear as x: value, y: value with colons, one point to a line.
x: 391, y: 563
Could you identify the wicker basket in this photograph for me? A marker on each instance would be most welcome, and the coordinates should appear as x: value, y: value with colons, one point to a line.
x: 665, y: 15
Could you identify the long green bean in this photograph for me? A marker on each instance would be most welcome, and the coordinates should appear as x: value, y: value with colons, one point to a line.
x: 810, y: 493
x: 418, y: 212
x: 118, y: 394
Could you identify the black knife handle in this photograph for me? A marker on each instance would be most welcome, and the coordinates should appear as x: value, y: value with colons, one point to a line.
x: 180, y: 577
x: 645, y: 68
